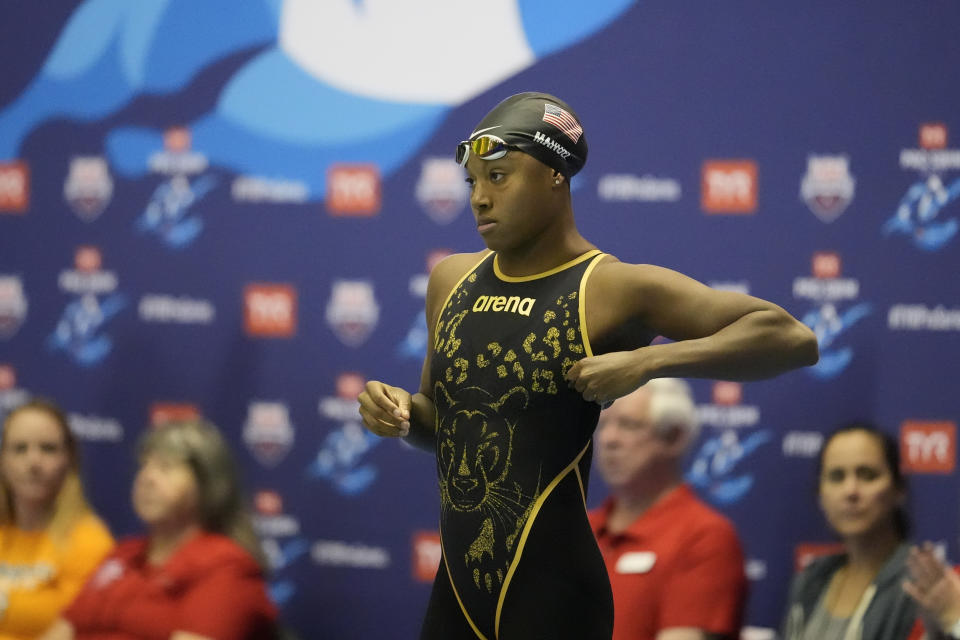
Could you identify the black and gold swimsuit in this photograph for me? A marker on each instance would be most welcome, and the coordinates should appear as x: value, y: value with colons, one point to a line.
x: 513, y: 456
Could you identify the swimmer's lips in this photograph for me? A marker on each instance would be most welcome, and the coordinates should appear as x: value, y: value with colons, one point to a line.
x: 485, y: 224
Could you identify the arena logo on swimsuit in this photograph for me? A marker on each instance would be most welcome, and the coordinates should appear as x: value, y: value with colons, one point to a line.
x: 513, y: 304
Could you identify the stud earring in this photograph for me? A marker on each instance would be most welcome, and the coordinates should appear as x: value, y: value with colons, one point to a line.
x: 557, y: 181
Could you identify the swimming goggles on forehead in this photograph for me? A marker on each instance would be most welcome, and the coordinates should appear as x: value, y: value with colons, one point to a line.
x: 484, y: 147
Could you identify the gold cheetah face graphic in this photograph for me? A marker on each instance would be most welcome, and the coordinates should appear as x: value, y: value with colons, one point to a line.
x: 475, y: 446
x: 475, y: 443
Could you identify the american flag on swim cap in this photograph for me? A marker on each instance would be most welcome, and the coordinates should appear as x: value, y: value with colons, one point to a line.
x: 563, y: 121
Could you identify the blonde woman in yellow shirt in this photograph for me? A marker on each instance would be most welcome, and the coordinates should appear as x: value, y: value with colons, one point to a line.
x: 50, y: 539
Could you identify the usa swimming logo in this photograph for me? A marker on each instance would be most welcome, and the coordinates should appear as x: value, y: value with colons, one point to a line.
x: 441, y: 189
x: 88, y: 187
x: 13, y: 306
x: 827, y: 186
x: 922, y: 213
x: 268, y: 432
x: 352, y: 311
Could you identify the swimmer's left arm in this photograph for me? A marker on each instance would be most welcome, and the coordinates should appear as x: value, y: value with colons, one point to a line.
x: 719, y: 334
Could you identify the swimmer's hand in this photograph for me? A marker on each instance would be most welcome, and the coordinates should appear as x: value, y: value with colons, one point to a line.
x: 603, y: 379
x: 385, y: 410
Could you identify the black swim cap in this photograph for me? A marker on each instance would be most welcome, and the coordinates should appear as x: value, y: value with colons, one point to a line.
x: 540, y: 125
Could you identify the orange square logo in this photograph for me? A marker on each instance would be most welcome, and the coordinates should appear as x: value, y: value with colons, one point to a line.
x: 164, y: 412
x: 268, y: 503
x: 177, y: 139
x: 826, y: 264
x: 928, y: 446
x: 270, y: 310
x: 353, y: 190
x: 727, y: 393
x: 933, y: 135
x: 14, y: 186
x: 350, y: 385
x: 806, y: 552
x: 87, y: 259
x: 426, y: 555
x: 8, y: 377
x: 729, y: 186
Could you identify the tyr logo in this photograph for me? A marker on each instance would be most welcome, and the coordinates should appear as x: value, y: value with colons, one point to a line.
x: 928, y: 447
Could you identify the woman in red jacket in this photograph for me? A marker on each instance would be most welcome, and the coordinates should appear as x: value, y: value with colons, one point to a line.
x: 197, y: 573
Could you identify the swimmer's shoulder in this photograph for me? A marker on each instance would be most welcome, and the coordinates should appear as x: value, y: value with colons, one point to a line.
x: 447, y: 273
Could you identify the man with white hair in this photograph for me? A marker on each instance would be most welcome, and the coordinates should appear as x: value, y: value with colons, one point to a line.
x: 675, y: 564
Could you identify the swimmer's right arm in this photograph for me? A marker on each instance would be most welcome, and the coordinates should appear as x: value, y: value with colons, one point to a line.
x: 394, y: 412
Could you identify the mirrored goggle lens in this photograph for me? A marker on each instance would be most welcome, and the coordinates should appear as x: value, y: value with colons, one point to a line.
x: 485, y: 147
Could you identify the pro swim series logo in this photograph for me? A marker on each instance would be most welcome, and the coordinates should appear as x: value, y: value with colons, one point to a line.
x: 414, y: 344
x: 269, y: 519
x: 717, y: 470
x: 341, y: 458
x: 81, y: 332
x: 925, y: 213
x: 281, y: 542
x: 169, y: 215
x: 836, y: 311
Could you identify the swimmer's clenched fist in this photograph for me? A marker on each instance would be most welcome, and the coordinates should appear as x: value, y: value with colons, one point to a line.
x: 385, y: 410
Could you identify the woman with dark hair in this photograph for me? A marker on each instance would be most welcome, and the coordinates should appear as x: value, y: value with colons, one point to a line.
x: 50, y: 539
x: 197, y: 574
x: 857, y: 595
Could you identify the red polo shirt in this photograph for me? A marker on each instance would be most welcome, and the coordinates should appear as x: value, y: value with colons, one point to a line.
x: 210, y: 586
x: 678, y: 565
